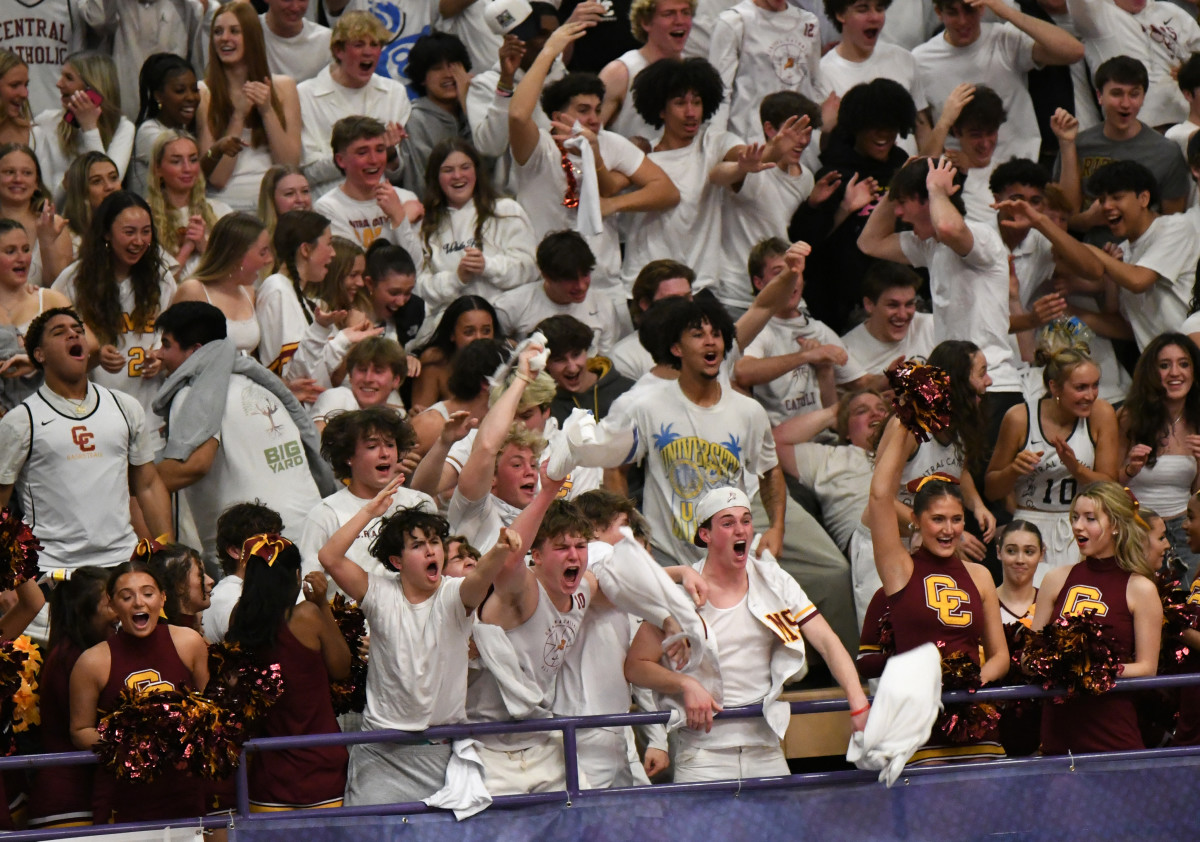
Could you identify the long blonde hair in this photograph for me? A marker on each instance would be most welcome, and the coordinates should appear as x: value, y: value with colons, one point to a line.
x: 266, y: 193
x: 254, y: 55
x: 332, y: 294
x: 99, y: 73
x: 156, y: 195
x: 1129, y: 540
x: 228, y: 242
x: 10, y: 61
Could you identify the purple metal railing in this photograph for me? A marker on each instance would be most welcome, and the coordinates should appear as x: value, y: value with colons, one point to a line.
x: 569, y: 726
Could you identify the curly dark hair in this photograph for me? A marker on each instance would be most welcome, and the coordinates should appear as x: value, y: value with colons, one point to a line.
x: 395, y: 527
x: 345, y: 430
x: 878, y: 104
x: 669, y: 78
x: 1144, y: 412
x: 968, y: 426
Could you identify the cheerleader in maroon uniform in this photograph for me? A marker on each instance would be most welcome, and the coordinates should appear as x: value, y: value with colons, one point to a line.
x: 148, y: 655
x: 80, y: 617
x: 1116, y: 581
x: 305, y: 641
x: 933, y: 596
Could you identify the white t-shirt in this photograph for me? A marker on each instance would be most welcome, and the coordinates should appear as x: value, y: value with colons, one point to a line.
x: 418, y: 674
x: 260, y: 457
x: 364, y: 222
x: 1033, y: 263
x: 522, y: 308
x: 630, y: 357
x: 215, y: 618
x: 762, y: 208
x: 758, y: 52
x: 332, y: 513
x: 480, y: 521
x: 542, y: 184
x: 841, y: 477
x: 797, y: 392
x: 691, y: 449
x: 1171, y: 247
x: 302, y: 56
x: 887, y: 61
x: 909, y: 23
x: 1001, y: 57
x: 970, y: 296
x: 341, y: 399
x: 471, y: 27
x: 690, y: 232
x: 875, y: 356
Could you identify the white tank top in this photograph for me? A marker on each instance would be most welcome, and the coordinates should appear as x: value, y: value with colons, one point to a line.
x: 1050, y: 487
x: 74, y: 487
x: 542, y: 644
x: 245, y: 333
x: 1166, y: 485
x: 629, y: 123
x: 931, y: 457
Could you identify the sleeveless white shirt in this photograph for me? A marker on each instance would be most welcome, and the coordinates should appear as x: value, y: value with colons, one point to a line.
x: 629, y: 123
x: 1050, y: 487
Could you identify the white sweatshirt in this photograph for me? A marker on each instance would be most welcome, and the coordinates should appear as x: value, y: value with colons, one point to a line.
x: 290, y: 346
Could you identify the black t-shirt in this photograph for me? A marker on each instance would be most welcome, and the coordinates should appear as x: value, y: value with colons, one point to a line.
x: 605, y: 41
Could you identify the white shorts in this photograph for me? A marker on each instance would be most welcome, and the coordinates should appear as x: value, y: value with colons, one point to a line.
x: 608, y: 758
x: 536, y: 769
x: 694, y: 764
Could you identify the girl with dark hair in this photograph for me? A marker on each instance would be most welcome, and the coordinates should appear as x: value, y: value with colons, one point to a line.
x: 473, y: 242
x: 1021, y: 553
x: 187, y: 586
x: 248, y: 118
x: 468, y: 318
x: 169, y: 98
x: 1159, y: 427
x: 299, y: 338
x: 80, y: 617
x: 1051, y: 446
x: 391, y: 277
x: 147, y: 655
x: 91, y: 178
x: 954, y: 452
x: 1116, y: 576
x: 304, y: 640
x: 24, y: 197
x: 965, y: 615
x: 119, y: 285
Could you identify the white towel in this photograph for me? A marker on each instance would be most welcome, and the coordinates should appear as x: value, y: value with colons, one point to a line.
x: 588, y: 220
x: 594, y: 445
x: 464, y: 792
x: 902, y: 714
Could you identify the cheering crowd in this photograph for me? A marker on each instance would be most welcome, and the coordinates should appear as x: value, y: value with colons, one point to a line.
x: 636, y: 352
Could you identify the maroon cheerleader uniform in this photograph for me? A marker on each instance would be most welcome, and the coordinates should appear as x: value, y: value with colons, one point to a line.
x: 61, y: 796
x: 940, y: 604
x: 145, y: 663
x: 304, y: 777
x: 1095, y: 723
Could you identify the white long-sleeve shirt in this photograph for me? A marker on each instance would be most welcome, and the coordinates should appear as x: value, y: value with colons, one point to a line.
x: 508, y: 251
x: 290, y: 345
x: 54, y: 161
x: 323, y: 102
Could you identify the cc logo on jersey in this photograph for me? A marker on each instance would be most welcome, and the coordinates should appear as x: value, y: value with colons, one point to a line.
x: 147, y: 681
x: 944, y: 596
x: 1083, y: 598
x: 83, y: 439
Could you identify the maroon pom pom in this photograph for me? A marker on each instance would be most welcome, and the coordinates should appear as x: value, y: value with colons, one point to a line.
x: 350, y: 694
x: 1075, y: 654
x: 18, y: 551
x: 921, y: 398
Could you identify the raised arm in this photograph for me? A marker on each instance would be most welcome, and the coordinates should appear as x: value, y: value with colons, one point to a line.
x: 522, y: 130
x: 1076, y: 256
x: 948, y: 224
x: 772, y: 296
x: 475, y: 479
x: 1051, y: 44
x: 892, y: 559
x: 507, y: 551
x: 879, y: 237
x: 1128, y: 276
x: 347, y: 575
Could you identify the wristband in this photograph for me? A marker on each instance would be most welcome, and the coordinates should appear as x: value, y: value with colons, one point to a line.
x: 503, y: 91
x: 862, y: 709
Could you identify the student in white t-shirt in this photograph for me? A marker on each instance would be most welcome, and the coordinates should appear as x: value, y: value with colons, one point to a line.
x: 973, y: 116
x: 1000, y: 54
x: 761, y: 206
x: 364, y: 206
x: 658, y: 279
x: 296, y: 47
x: 375, y: 368
x: 797, y: 363
x: 759, y: 47
x: 893, y: 331
x: 663, y: 27
x: 862, y: 56
x: 1158, y: 253
x: 550, y: 178
x: 703, y: 161
x: 1188, y: 79
x: 967, y: 262
x: 420, y: 627
x: 366, y: 448
x: 566, y: 264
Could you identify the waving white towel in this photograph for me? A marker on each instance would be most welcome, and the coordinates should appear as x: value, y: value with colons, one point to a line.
x: 588, y: 220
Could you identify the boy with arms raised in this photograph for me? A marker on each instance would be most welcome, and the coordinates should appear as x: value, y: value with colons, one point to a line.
x: 420, y: 630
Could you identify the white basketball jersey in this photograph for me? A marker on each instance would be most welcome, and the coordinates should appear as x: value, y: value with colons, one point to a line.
x: 1050, y: 487
x: 74, y: 488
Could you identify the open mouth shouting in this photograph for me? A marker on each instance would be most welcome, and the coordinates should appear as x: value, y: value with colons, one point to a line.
x: 139, y: 621
x: 571, y: 576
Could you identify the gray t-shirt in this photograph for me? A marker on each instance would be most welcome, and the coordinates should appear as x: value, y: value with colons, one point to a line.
x: 1159, y: 155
